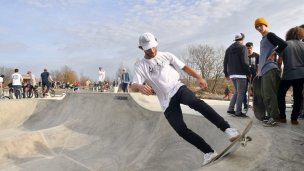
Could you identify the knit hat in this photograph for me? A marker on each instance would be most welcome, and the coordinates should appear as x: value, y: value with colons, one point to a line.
x: 147, y: 41
x: 261, y: 20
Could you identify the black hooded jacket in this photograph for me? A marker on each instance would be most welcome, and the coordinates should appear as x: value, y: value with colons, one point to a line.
x: 236, y: 60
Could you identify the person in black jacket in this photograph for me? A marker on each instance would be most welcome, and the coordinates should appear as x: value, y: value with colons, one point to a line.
x: 236, y: 68
x: 253, y: 65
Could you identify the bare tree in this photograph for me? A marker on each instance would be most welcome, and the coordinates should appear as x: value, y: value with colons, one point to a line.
x: 65, y: 74
x: 208, y: 61
x: 201, y: 56
x: 7, y: 72
x: 217, y: 68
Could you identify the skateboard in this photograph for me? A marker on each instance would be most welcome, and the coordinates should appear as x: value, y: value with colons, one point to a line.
x: 249, y: 93
x: 259, y: 109
x: 231, y: 148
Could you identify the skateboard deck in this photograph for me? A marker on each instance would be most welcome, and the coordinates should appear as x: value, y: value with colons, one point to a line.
x: 233, y: 146
x: 249, y: 93
x: 259, y: 109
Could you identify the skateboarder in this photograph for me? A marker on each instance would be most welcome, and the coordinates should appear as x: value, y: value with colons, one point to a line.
x: 268, y: 70
x: 293, y: 74
x: 159, y: 71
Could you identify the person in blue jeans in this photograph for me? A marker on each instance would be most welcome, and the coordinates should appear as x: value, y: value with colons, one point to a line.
x: 236, y: 68
x: 158, y: 73
x: 17, y: 80
x: 125, y: 80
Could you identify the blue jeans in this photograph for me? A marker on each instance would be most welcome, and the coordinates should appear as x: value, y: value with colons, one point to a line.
x: 174, y: 116
x: 238, y: 96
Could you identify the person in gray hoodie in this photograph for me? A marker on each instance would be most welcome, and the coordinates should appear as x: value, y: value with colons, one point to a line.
x: 236, y: 68
x: 293, y: 73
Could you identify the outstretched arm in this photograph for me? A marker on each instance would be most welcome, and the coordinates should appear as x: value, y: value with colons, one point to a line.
x: 201, y: 82
x: 143, y: 88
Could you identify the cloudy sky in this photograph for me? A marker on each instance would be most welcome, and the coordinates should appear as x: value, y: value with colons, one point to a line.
x: 86, y: 34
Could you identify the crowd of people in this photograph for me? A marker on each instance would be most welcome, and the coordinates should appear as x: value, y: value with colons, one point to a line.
x: 242, y: 66
x: 157, y: 73
x: 27, y: 84
x: 121, y: 83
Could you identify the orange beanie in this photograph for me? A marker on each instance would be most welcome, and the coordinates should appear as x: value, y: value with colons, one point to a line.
x: 261, y: 21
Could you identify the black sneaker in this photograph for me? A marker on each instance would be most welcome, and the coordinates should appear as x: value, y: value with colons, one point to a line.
x: 241, y: 115
x: 245, y: 107
x: 271, y: 123
x: 265, y: 119
x: 301, y: 116
x: 231, y: 112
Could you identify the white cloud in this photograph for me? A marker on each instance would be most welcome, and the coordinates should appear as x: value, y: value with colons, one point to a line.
x: 53, y: 3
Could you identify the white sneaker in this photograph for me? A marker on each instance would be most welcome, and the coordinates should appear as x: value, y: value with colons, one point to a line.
x: 208, y: 157
x: 232, y: 133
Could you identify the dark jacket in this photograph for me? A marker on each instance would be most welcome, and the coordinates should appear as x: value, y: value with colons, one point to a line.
x: 236, y: 60
x: 45, y: 77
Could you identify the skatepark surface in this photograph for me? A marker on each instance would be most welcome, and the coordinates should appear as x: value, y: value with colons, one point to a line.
x: 128, y: 132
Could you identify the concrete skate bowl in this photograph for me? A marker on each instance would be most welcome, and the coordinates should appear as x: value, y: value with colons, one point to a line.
x: 91, y: 131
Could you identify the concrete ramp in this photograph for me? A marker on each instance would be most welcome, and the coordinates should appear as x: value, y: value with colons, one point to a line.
x: 110, y: 132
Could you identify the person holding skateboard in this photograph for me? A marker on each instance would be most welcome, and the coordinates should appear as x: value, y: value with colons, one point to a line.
x: 160, y: 71
x: 268, y: 70
x: 253, y: 64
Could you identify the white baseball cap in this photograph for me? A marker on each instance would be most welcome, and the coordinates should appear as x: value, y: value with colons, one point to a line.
x: 239, y: 37
x: 147, y: 41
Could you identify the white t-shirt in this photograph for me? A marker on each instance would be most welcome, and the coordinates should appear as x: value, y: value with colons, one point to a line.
x: 33, y: 80
x: 161, y: 74
x: 101, y: 75
x: 1, y: 81
x: 16, y: 78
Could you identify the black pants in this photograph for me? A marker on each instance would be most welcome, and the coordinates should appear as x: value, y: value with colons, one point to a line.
x: 297, y: 86
x: 175, y: 117
x: 47, y: 85
x: 124, y: 87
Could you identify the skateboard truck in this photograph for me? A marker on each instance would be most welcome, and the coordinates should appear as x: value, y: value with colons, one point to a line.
x: 244, y: 140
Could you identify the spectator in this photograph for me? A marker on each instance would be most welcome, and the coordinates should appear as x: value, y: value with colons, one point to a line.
x: 101, y: 78
x: 45, y: 79
x: 236, y: 68
x: 32, y: 82
x: 253, y: 64
x: 125, y: 80
x: 293, y: 73
x: 17, y: 80
x: 1, y: 85
x: 268, y: 70
x: 227, y: 92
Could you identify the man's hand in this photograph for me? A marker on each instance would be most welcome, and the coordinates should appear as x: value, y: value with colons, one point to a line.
x: 202, y: 83
x: 227, y: 78
x: 271, y: 57
x: 146, y: 89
